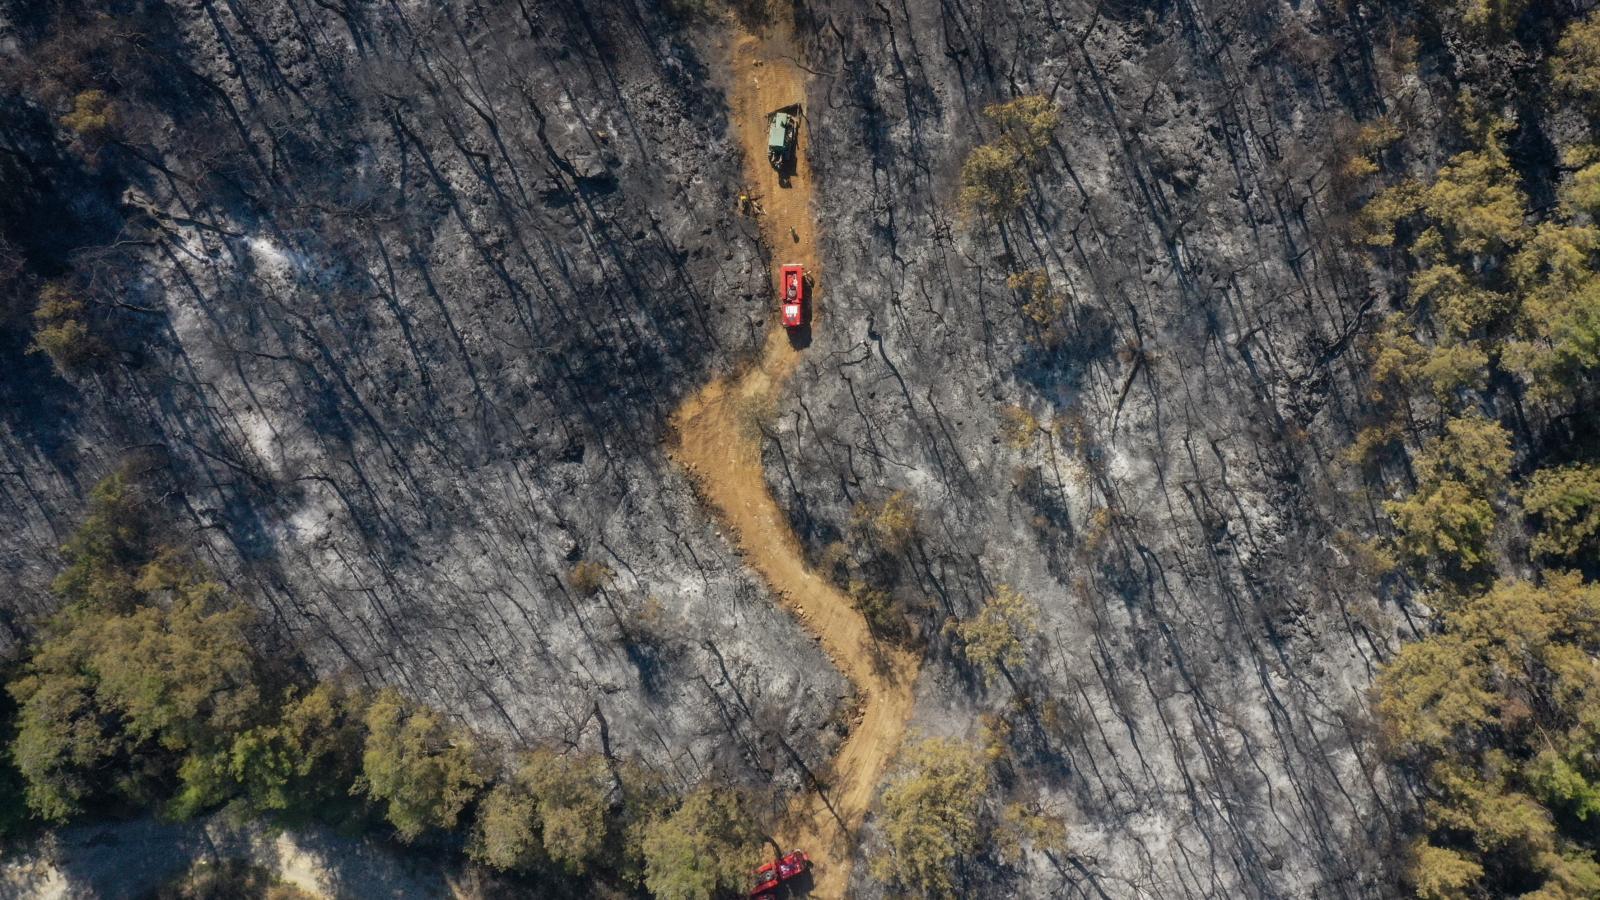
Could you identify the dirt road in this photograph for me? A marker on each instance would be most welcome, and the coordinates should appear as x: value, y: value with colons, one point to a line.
x: 723, y: 453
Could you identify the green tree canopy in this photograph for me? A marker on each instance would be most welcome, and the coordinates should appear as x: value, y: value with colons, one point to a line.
x: 422, y: 770
x: 1567, y: 502
x: 176, y: 675
x: 303, y: 763
x: 994, y: 178
x: 1450, y: 517
x: 106, y: 551
x: 999, y: 635
x: 1576, y: 64
x: 506, y: 833
x: 1501, y: 709
x: 933, y: 817
x: 704, y: 849
x: 572, y: 791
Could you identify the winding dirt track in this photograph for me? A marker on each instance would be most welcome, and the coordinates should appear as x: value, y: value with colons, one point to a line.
x: 724, y: 457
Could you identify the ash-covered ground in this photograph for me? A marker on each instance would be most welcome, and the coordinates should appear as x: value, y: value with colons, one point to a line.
x: 396, y: 301
x: 1199, y: 680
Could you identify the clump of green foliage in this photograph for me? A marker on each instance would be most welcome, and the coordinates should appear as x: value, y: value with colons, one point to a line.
x: 422, y: 771
x: 942, y: 812
x: 1567, y: 500
x: 1501, y: 710
x: 892, y: 523
x: 1496, y: 707
x: 1576, y: 64
x: 145, y: 692
x: 555, y: 808
x: 933, y: 816
x: 93, y: 115
x: 1043, y: 306
x: 1451, y: 516
x: 1000, y: 635
x: 61, y: 330
x: 146, y: 673
x: 1487, y: 18
x: 995, y: 176
x: 703, y: 849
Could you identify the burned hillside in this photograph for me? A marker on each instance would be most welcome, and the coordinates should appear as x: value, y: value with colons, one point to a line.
x: 1030, y: 448
x: 391, y: 306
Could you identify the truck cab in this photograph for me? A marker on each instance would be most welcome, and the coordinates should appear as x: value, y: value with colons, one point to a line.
x: 792, y: 296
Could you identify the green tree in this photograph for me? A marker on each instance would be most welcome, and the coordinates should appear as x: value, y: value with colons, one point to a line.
x: 106, y: 551
x: 704, y: 849
x: 993, y: 182
x: 1486, y: 16
x: 1582, y: 193
x: 933, y: 817
x: 1441, y: 874
x: 302, y: 764
x: 1476, y: 202
x: 1376, y: 223
x: 1501, y: 710
x: 893, y: 524
x: 1473, y: 450
x: 423, y: 771
x: 572, y: 791
x: 1026, y: 124
x: 506, y: 833
x: 1043, y: 305
x: 139, y: 693
x: 885, y: 617
x: 998, y: 637
x: 1576, y: 63
x: 1450, y: 517
x: 994, y: 178
x: 93, y: 115
x: 1456, y: 299
x: 1567, y: 502
x: 61, y: 330
x: 1560, y: 340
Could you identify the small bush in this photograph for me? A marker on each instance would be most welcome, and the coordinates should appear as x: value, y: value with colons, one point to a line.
x: 93, y: 115
x: 886, y: 618
x: 1042, y: 305
x: 1018, y: 427
x: 61, y: 330
x: 893, y: 524
x: 589, y: 576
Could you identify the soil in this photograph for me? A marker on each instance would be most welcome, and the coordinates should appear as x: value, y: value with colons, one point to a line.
x: 718, y: 441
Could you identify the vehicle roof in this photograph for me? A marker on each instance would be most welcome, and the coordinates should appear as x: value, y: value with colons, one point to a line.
x: 778, y: 136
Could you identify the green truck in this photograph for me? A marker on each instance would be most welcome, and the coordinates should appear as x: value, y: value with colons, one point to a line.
x: 780, y: 138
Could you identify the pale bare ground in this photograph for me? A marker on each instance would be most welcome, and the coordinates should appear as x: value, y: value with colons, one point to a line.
x: 716, y: 443
x: 134, y: 858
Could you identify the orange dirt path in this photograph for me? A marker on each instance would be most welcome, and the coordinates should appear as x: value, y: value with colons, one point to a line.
x: 723, y: 454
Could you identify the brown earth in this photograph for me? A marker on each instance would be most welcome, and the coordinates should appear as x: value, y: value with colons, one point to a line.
x: 718, y: 442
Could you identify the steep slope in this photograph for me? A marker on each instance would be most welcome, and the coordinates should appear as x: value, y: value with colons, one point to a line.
x: 395, y: 302
x: 1159, y: 469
